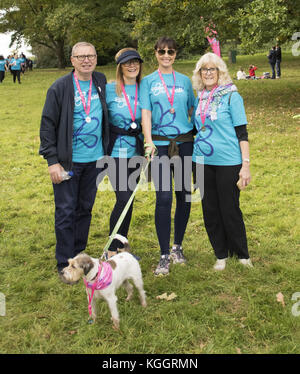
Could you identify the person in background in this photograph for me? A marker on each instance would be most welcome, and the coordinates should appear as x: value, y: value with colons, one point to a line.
x: 278, y: 61
x: 3, y: 67
x: 241, y: 74
x: 16, y: 66
x: 252, y: 69
x: 272, y: 61
x: 221, y: 144
x: 167, y: 102
x: 74, y: 134
x: 124, y: 113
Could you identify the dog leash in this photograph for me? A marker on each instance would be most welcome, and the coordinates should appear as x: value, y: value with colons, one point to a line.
x: 123, y: 214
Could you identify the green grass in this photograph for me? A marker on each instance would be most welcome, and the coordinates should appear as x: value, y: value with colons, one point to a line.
x: 213, y: 312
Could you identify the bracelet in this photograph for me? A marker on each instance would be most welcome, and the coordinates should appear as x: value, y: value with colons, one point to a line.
x: 246, y: 160
x: 146, y: 145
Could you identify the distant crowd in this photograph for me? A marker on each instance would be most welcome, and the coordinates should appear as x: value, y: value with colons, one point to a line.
x: 16, y: 64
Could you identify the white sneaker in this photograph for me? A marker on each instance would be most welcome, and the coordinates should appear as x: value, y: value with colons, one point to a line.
x: 220, y: 264
x: 246, y: 262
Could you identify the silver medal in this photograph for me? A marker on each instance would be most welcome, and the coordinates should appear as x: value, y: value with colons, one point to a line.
x: 88, y: 119
x: 133, y: 125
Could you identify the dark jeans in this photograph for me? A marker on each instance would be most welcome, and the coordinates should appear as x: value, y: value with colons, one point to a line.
x: 16, y: 74
x: 278, y: 71
x: 164, y: 197
x: 74, y: 200
x: 223, y: 218
x: 2, y: 76
x: 273, y: 70
x: 123, y: 193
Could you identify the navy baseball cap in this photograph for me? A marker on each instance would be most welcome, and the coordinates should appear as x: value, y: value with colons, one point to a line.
x: 128, y: 55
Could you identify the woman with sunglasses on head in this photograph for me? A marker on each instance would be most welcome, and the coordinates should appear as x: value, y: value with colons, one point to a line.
x: 124, y: 111
x: 221, y: 143
x: 167, y: 102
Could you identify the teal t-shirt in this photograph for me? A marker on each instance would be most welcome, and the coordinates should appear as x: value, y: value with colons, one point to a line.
x: 119, y: 115
x: 218, y: 143
x: 154, y: 98
x: 87, y: 137
x: 2, y: 65
x: 16, y: 63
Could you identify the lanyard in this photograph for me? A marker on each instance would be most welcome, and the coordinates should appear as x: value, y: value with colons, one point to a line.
x: 203, y: 115
x: 128, y: 103
x: 87, y: 107
x: 171, y: 99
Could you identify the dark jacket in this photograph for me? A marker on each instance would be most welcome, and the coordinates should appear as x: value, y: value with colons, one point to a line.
x: 56, y: 132
x: 272, y: 56
x: 278, y: 54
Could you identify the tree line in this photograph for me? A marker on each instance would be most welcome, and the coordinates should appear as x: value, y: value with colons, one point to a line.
x: 51, y: 27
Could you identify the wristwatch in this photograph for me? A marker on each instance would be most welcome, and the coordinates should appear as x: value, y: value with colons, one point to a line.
x: 246, y: 160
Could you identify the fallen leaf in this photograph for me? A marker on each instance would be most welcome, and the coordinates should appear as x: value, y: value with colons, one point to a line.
x: 238, y: 351
x: 172, y: 296
x: 72, y: 332
x: 166, y: 297
x: 163, y: 296
x: 280, y: 298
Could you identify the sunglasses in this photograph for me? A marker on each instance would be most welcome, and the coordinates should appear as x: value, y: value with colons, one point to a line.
x: 170, y: 52
x: 134, y: 61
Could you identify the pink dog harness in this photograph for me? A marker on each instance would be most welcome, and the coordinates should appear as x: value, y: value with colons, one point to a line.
x: 100, y: 282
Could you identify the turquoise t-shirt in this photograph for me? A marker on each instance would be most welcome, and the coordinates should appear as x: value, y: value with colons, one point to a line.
x: 16, y: 63
x: 218, y: 143
x: 119, y: 115
x: 87, y: 137
x: 154, y: 98
x: 2, y: 65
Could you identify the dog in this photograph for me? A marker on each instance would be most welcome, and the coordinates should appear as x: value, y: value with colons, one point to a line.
x: 104, y: 278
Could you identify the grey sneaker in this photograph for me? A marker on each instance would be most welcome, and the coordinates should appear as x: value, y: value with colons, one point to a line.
x: 177, y: 254
x: 163, y: 266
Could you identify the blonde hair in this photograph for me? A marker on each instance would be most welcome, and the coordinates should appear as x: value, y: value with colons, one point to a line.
x: 223, y: 74
x: 119, y: 73
x: 82, y: 44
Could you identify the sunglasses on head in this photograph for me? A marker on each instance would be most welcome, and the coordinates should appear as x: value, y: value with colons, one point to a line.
x: 170, y: 52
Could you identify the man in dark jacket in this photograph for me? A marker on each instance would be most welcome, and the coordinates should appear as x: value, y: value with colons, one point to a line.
x: 272, y: 61
x: 74, y: 135
x: 278, y: 61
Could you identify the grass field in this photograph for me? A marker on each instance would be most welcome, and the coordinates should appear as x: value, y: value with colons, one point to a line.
x: 229, y: 312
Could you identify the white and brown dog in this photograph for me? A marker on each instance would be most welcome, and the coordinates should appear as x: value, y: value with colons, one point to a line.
x: 104, y: 278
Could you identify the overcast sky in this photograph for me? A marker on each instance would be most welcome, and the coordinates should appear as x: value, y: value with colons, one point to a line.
x: 4, y: 46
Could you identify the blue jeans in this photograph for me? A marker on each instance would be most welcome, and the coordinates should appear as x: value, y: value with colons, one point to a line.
x: 74, y: 200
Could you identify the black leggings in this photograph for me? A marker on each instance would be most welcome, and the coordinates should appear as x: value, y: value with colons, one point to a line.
x: 164, y: 195
x: 16, y: 74
x: 123, y: 192
x: 222, y: 215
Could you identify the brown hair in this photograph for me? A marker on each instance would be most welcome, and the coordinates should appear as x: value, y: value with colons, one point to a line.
x: 119, y: 73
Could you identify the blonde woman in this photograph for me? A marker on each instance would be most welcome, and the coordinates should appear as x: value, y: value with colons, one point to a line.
x: 124, y: 114
x: 221, y: 143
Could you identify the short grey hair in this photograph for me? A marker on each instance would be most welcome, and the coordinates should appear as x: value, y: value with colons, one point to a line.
x: 82, y: 44
x: 224, y: 77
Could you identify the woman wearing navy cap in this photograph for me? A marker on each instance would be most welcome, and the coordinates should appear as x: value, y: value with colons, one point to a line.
x: 122, y: 97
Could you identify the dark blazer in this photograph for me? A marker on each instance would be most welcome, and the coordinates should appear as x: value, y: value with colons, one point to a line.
x: 278, y: 54
x: 56, y: 131
x: 272, y: 56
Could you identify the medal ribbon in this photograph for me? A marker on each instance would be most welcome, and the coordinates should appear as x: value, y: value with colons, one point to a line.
x: 128, y: 103
x: 203, y: 115
x: 171, y: 99
x: 87, y: 107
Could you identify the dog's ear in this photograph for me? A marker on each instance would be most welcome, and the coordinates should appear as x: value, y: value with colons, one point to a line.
x: 86, y: 264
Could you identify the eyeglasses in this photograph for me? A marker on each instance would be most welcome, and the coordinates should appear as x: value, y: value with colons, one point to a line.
x: 209, y: 70
x: 134, y: 61
x: 83, y: 57
x: 170, y: 52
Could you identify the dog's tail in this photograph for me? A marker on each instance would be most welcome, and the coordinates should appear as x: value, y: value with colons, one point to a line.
x: 124, y: 241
